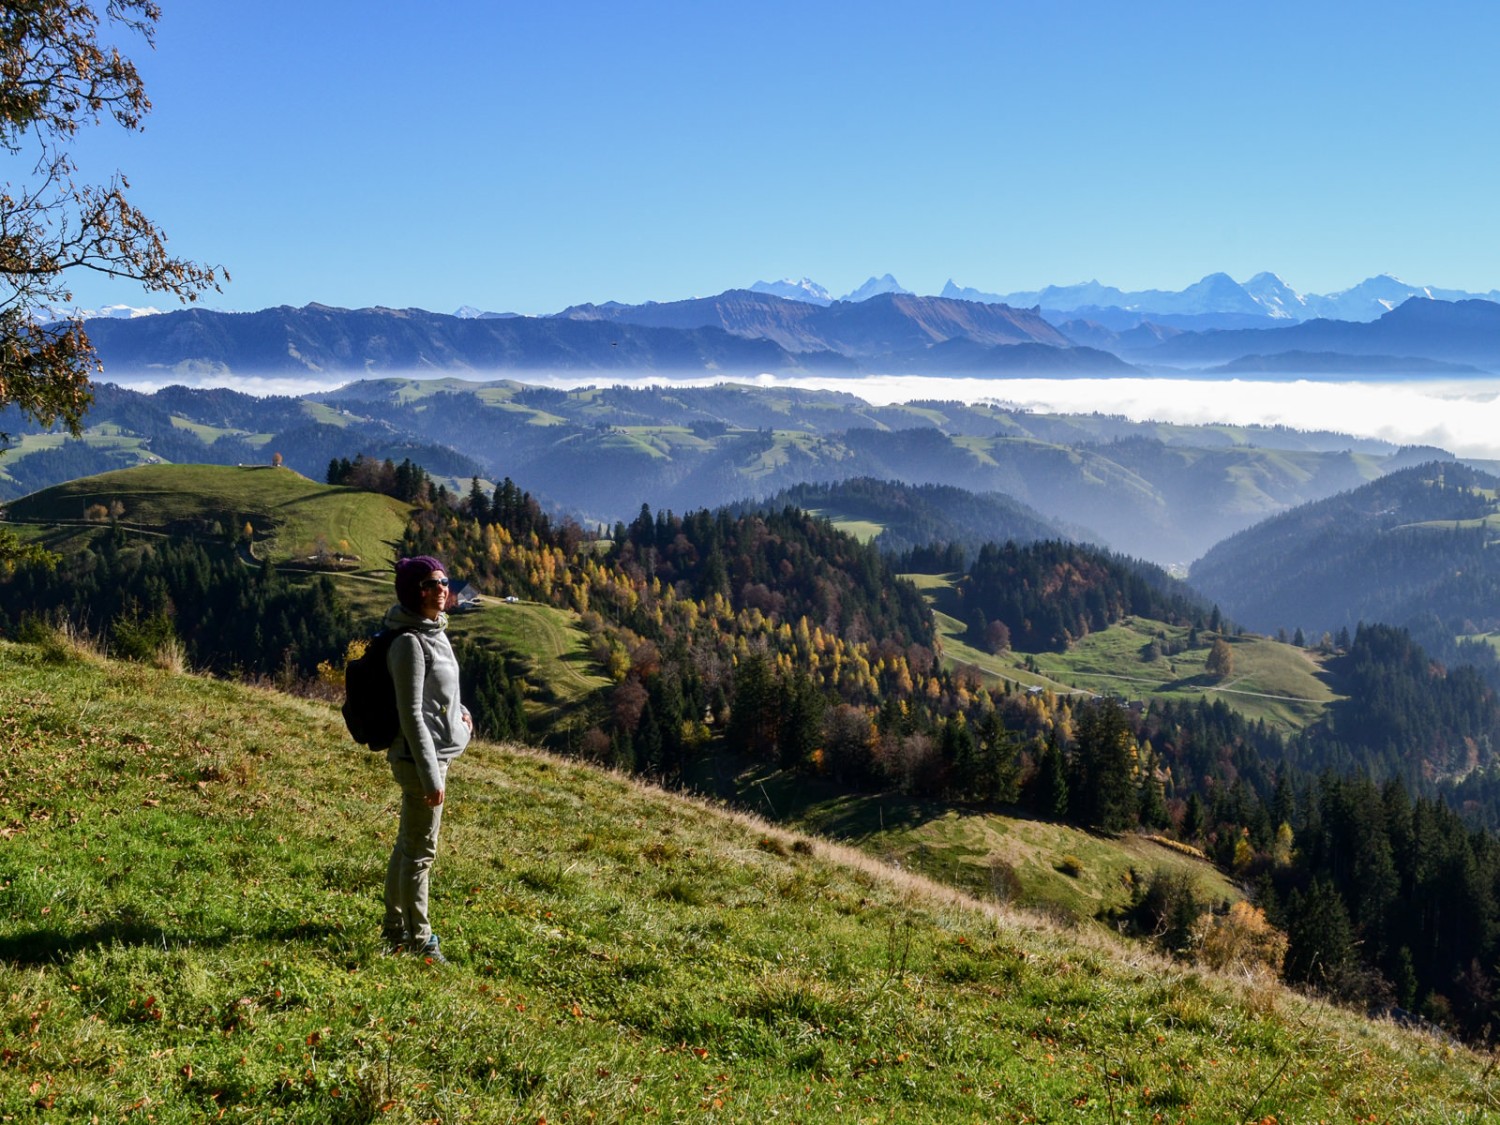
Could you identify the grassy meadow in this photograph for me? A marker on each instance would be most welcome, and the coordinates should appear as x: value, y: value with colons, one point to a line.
x: 1280, y: 683
x: 190, y: 878
x: 292, y: 517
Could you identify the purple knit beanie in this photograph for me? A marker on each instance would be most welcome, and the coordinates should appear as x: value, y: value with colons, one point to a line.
x: 409, y: 576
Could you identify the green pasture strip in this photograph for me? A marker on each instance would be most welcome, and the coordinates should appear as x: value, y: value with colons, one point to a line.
x: 550, y: 640
x: 778, y: 455
x: 190, y: 888
x: 1012, y: 858
x: 862, y: 529
x: 204, y: 433
x: 325, y: 415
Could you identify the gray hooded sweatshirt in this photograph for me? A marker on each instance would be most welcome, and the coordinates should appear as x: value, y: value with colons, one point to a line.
x: 425, y: 673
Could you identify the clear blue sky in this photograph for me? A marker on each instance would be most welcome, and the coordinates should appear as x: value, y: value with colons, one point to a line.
x: 527, y: 156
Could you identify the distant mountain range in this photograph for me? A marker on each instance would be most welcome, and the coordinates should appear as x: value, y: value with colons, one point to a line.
x: 1216, y: 327
x: 1216, y: 301
x: 737, y: 333
x: 1448, y: 332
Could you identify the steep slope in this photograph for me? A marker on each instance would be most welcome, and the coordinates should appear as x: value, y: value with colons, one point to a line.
x: 189, y: 906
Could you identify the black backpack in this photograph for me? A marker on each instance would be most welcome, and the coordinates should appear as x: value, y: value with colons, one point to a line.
x: 370, y: 695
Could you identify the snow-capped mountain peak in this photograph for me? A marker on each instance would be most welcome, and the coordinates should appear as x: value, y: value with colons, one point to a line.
x: 105, y: 312
x: 874, y: 288
x: 802, y: 289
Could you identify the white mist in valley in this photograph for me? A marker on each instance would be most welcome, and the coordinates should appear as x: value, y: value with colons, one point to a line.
x: 1462, y: 417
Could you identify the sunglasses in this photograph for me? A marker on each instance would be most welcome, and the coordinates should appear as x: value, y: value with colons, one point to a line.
x: 434, y: 583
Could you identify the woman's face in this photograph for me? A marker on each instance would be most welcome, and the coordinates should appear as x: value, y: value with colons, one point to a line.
x: 434, y: 590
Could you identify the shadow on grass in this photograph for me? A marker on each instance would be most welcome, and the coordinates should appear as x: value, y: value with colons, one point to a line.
x: 51, y: 947
x: 1199, y: 683
x: 832, y: 810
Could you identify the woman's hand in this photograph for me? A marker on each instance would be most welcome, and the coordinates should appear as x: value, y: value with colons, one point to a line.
x: 434, y: 799
x: 468, y: 720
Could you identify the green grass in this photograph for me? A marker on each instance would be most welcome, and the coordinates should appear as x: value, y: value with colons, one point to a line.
x: 1280, y: 683
x: 550, y: 638
x: 862, y: 529
x: 783, y: 445
x: 189, y: 903
x: 668, y: 440
x: 291, y: 515
x: 1276, y: 682
x: 1014, y: 859
x: 210, y: 434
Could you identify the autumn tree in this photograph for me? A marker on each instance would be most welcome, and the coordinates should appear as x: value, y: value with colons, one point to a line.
x: 1220, y: 662
x: 58, y: 74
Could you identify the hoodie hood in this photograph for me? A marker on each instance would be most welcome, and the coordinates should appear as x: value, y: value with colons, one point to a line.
x: 399, y: 617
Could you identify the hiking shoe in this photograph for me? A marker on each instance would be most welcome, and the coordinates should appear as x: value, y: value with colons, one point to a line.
x: 392, y: 941
x: 430, y: 952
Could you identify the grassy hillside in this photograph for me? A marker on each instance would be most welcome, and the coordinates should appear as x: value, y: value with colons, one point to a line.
x: 291, y: 515
x: 189, y: 904
x: 1013, y: 859
x: 862, y: 529
x: 550, y: 641
x: 1280, y: 683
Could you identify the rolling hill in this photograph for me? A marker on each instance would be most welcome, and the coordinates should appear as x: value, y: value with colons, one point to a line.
x: 291, y: 517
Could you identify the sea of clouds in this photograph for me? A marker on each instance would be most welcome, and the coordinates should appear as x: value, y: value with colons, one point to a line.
x: 1461, y: 416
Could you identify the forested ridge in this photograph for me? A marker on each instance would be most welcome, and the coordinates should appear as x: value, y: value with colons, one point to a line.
x: 1411, y: 543
x: 920, y: 516
x: 228, y: 617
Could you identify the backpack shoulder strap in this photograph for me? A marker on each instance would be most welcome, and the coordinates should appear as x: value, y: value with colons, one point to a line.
x: 421, y: 644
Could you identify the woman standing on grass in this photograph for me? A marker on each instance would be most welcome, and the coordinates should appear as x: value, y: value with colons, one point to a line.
x: 435, y: 728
